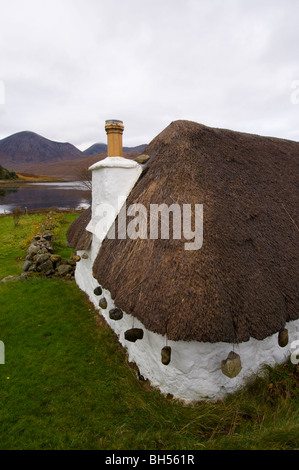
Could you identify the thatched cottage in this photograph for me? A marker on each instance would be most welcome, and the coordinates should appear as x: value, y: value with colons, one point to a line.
x: 198, y: 323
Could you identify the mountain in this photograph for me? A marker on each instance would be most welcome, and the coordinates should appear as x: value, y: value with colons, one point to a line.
x: 24, y: 149
x: 98, y: 148
x: 32, y: 153
x: 138, y: 149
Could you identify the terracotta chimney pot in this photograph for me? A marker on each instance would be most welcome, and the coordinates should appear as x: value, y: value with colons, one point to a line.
x: 114, y: 130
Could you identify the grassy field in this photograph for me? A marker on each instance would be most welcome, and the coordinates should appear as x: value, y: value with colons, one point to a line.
x: 66, y: 382
x: 23, y: 178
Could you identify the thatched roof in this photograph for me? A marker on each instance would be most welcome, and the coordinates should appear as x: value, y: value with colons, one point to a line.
x: 244, y: 281
x: 77, y: 237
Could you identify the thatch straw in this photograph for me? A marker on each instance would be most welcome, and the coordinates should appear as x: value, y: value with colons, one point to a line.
x: 244, y: 281
x: 77, y: 237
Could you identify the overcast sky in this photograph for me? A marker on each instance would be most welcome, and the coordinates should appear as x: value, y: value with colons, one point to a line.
x: 68, y: 65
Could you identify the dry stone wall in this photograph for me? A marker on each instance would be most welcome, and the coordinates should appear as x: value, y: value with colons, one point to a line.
x: 42, y: 259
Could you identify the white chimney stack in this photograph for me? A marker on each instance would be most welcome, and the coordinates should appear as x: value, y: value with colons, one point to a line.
x: 112, y: 181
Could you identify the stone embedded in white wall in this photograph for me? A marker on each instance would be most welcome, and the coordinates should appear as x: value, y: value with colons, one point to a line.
x: 166, y: 355
x: 103, y: 303
x: 116, y: 314
x: 231, y: 366
x: 283, y: 338
x: 98, y: 290
x: 133, y: 334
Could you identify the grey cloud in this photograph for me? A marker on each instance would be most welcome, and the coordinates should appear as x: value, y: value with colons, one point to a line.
x: 68, y: 65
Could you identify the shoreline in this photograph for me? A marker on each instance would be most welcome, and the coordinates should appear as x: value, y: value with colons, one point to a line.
x: 21, y: 182
x: 46, y: 210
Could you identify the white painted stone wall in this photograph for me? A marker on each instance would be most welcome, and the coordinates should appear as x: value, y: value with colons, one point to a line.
x: 194, y: 372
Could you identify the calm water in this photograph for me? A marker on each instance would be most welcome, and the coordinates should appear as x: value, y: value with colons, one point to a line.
x: 69, y: 195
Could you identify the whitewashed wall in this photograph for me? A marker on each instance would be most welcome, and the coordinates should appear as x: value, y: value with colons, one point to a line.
x: 194, y: 372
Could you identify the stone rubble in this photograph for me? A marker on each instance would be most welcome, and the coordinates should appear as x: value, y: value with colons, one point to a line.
x: 41, y: 259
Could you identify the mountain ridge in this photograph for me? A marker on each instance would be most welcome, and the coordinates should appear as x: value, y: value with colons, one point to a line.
x: 27, y: 147
x: 29, y: 151
x: 100, y: 147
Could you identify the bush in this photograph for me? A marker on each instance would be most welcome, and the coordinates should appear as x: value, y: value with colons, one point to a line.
x: 17, y: 214
x: 7, y: 175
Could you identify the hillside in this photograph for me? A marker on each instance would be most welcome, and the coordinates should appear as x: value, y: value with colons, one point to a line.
x: 98, y: 148
x: 27, y: 148
x: 69, y: 169
x: 7, y: 175
x: 32, y: 153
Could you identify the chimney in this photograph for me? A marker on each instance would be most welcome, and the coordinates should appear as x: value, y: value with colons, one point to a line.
x: 114, y: 130
x: 112, y: 181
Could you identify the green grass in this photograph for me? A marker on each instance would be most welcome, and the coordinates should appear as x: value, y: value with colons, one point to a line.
x: 66, y: 383
x: 12, y: 238
x: 16, y: 239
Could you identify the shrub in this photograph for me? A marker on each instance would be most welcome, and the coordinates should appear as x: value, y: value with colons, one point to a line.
x: 17, y: 214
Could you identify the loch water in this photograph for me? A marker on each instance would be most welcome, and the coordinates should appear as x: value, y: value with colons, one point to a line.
x: 64, y: 195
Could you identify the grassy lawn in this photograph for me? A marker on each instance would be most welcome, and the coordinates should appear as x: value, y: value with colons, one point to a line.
x: 66, y: 383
